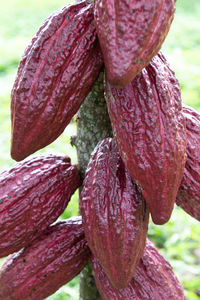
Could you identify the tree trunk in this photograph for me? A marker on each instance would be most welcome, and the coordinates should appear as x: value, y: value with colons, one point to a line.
x: 93, y: 125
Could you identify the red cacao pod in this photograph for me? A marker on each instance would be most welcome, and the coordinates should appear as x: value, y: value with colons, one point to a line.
x: 115, y: 217
x: 149, y: 128
x: 33, y: 195
x: 55, y: 75
x: 189, y: 192
x: 153, y: 279
x: 130, y: 34
x: 52, y: 260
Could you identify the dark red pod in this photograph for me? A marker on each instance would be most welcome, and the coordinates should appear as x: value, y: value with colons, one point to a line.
x: 153, y: 279
x: 115, y: 217
x: 34, y: 193
x: 149, y: 128
x: 130, y: 34
x: 49, y: 262
x: 55, y: 75
x: 189, y: 192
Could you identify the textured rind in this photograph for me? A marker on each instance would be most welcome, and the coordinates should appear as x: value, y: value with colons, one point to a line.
x: 33, y: 195
x: 149, y: 128
x: 189, y: 192
x: 153, y: 279
x: 51, y: 261
x: 115, y: 217
x: 55, y: 75
x: 130, y: 34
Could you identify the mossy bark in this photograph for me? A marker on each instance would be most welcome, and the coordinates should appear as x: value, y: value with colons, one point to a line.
x: 93, y: 125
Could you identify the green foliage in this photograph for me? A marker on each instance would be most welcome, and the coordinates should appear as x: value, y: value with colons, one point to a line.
x: 179, y: 239
x: 182, y: 47
x: 72, y: 208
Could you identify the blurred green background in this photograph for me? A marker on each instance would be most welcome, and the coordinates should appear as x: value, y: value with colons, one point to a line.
x: 179, y: 239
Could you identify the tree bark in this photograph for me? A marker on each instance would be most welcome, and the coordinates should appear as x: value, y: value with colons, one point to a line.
x: 93, y: 125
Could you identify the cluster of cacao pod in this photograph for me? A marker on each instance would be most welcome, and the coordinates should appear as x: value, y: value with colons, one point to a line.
x: 152, y: 161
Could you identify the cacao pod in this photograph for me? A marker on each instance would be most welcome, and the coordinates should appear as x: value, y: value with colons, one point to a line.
x: 55, y: 75
x: 33, y: 195
x: 149, y: 128
x: 130, y: 34
x: 52, y: 260
x: 189, y: 192
x: 115, y: 217
x: 153, y: 279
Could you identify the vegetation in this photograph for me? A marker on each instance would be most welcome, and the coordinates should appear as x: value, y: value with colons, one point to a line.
x: 179, y: 239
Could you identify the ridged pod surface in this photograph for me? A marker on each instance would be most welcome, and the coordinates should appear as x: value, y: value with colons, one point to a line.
x: 149, y: 128
x: 34, y: 193
x: 55, y: 75
x: 130, y: 34
x: 153, y: 279
x: 189, y: 192
x: 52, y: 260
x: 115, y: 217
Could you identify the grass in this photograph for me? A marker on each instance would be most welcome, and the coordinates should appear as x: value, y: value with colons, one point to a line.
x: 179, y: 239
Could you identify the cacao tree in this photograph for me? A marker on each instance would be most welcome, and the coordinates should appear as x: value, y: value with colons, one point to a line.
x: 138, y: 153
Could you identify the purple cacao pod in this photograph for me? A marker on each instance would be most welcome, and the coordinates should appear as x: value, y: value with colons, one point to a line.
x: 49, y: 262
x: 33, y: 195
x: 153, y: 279
x: 130, y: 34
x: 54, y: 77
x: 189, y: 192
x: 149, y: 128
x: 115, y: 216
